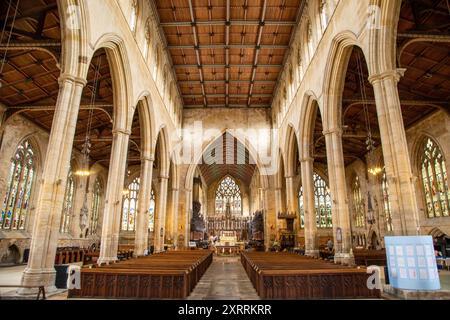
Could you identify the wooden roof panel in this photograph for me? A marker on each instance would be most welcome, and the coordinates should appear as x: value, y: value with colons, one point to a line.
x: 249, y: 41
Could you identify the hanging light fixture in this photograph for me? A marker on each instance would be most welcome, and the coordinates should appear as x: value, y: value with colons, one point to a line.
x: 86, y: 151
x: 370, y: 143
x: 87, y: 145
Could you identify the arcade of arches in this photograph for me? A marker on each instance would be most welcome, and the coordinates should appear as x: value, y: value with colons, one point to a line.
x: 239, y: 125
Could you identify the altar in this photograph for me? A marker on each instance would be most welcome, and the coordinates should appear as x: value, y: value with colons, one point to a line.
x: 228, y: 244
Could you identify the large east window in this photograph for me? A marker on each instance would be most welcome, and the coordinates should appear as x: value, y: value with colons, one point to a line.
x: 228, y: 192
x: 434, y: 180
x: 19, y: 187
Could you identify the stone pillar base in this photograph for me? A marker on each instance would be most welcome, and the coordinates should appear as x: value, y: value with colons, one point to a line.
x: 107, y: 260
x: 312, y: 253
x: 37, y: 277
x: 346, y: 259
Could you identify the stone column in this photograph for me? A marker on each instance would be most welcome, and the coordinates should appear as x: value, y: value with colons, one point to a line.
x: 187, y: 220
x: 40, y: 270
x: 175, y: 194
x: 291, y: 202
x: 341, y: 213
x: 311, y: 245
x: 404, y: 210
x: 142, y: 216
x: 113, y: 197
x: 265, y: 208
x: 160, y: 218
x: 278, y: 208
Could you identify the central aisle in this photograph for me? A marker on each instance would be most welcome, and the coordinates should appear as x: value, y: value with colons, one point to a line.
x: 225, y: 279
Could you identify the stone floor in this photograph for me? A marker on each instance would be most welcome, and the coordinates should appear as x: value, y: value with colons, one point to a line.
x: 225, y: 279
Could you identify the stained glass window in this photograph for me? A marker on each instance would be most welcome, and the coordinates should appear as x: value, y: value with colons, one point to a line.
x: 434, y: 180
x: 130, y: 205
x: 322, y: 204
x: 386, y: 202
x: 358, y: 204
x: 147, y: 40
x: 20, y: 184
x: 68, y: 203
x: 151, y: 211
x: 95, y: 207
x: 301, y: 207
x: 323, y: 14
x: 228, y: 192
x: 134, y: 13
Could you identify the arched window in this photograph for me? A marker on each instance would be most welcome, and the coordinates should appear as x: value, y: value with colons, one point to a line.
x: 134, y: 15
x: 130, y: 204
x: 434, y: 180
x: 147, y: 40
x: 323, y: 14
x: 228, y: 192
x: 322, y: 200
x: 299, y: 63
x: 301, y: 207
x: 358, y: 204
x: 16, y: 203
x: 68, y: 203
x: 151, y: 211
x: 386, y: 202
x: 322, y: 204
x: 309, y: 40
x: 95, y: 207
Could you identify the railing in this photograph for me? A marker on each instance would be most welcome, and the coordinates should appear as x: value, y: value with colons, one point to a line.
x: 41, y: 290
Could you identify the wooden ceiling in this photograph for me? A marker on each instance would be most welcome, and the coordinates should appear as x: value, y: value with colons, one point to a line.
x: 225, y: 53
x: 424, y: 89
x: 235, y: 161
x: 228, y: 53
x: 29, y: 81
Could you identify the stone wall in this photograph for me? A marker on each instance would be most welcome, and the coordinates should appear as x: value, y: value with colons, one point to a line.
x: 15, y: 130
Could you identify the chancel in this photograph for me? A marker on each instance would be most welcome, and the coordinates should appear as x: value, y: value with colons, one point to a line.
x: 227, y: 149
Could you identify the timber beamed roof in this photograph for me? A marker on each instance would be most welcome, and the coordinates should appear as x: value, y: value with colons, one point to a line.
x: 228, y: 53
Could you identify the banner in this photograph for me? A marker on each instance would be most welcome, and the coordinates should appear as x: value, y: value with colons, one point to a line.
x: 412, y: 263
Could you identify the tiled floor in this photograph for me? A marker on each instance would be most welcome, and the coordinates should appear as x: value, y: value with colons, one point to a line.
x: 224, y: 280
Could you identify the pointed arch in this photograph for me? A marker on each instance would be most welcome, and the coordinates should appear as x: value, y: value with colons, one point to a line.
x: 334, y: 81
x: 162, y: 141
x: 118, y: 60
x: 292, y: 152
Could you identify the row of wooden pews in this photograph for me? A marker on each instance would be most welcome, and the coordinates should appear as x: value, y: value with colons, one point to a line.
x: 290, y: 276
x: 168, y: 275
x: 69, y: 255
x: 367, y: 258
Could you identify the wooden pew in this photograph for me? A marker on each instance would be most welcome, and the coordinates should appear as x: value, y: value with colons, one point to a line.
x: 290, y: 276
x: 170, y: 275
x: 69, y: 255
x: 369, y: 257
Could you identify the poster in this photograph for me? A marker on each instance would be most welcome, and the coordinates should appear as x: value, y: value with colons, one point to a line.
x: 411, y: 263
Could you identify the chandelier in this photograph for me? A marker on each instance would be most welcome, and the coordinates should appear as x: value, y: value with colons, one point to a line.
x: 370, y: 142
x: 85, y: 171
x: 87, y: 145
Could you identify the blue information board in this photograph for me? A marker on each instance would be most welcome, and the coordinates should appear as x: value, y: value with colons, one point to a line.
x: 412, y: 263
